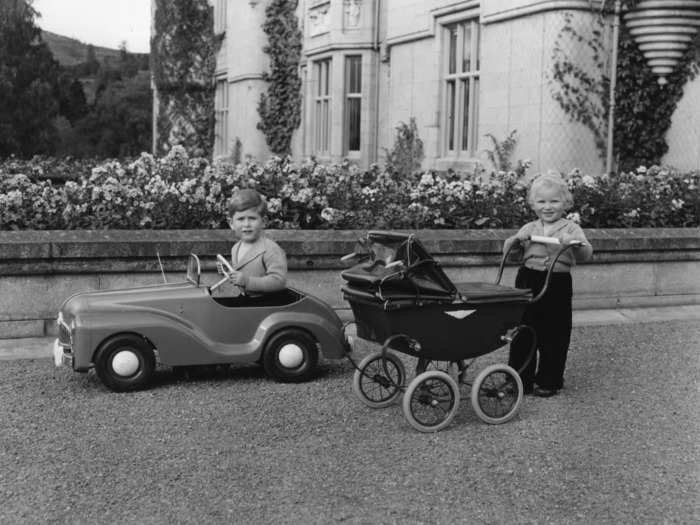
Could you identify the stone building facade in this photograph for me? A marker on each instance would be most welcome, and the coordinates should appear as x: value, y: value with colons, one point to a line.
x: 467, y: 71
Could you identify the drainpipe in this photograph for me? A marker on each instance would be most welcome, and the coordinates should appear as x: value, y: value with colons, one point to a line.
x: 375, y: 47
x: 613, y: 80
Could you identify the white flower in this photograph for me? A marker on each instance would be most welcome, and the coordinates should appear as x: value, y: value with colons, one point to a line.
x: 588, y: 181
x: 574, y: 217
x: 274, y: 205
x: 677, y: 204
x: 426, y: 179
x: 641, y: 169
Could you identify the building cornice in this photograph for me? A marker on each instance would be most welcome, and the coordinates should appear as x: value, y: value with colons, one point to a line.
x: 329, y: 48
x: 541, y: 7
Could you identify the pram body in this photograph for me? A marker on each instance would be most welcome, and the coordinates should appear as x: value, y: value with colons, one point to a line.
x: 402, y: 299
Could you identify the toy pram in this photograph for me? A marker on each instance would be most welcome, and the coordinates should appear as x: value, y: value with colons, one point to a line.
x: 402, y: 299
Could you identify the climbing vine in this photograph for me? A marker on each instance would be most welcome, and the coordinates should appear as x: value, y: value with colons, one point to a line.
x: 643, y: 107
x: 643, y: 110
x: 580, y: 84
x: 183, y: 61
x: 280, y: 107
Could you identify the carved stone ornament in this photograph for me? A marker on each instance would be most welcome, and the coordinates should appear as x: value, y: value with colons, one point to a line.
x: 351, y: 12
x: 319, y: 19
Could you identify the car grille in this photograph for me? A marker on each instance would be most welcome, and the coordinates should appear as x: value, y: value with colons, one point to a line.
x: 64, y: 335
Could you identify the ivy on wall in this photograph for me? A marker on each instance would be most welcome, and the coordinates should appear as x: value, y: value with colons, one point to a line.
x: 280, y: 107
x: 183, y: 61
x: 643, y: 107
x: 581, y: 83
x: 577, y: 80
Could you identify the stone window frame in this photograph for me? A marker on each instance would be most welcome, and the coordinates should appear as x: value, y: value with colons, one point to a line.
x: 348, y: 96
x: 221, y: 99
x: 322, y: 119
x: 460, y: 134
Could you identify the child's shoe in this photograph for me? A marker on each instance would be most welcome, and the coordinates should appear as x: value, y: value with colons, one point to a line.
x: 545, y: 392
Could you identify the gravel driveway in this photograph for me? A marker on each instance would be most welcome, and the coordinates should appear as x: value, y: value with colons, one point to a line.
x: 619, y: 445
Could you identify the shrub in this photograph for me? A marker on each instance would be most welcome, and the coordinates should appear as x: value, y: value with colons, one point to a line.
x: 180, y: 192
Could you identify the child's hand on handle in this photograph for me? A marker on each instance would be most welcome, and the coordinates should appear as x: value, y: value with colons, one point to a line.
x: 238, y: 278
x: 234, y: 276
x: 522, y: 237
x: 571, y: 240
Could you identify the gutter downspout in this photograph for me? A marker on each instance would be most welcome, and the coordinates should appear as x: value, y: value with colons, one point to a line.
x: 613, y: 81
x: 378, y: 59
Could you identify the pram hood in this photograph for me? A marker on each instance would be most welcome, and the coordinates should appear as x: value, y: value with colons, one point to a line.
x: 418, y: 274
x: 418, y: 277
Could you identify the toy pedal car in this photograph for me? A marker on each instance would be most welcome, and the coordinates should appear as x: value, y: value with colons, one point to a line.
x: 122, y: 333
x: 402, y: 299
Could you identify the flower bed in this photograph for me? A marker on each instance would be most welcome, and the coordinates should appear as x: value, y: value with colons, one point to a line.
x: 178, y: 192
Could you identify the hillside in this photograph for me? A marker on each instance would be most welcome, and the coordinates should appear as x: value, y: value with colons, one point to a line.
x: 70, y: 52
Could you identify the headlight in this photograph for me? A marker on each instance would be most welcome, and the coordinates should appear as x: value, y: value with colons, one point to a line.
x: 65, y: 332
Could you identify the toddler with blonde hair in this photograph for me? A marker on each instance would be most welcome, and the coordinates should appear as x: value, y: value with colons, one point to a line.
x: 550, y: 317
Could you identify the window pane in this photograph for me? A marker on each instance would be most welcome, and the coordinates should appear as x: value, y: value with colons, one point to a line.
x: 353, y: 123
x: 464, y: 86
x: 466, y: 47
x: 451, y: 115
x: 324, y: 127
x: 452, y: 64
x: 475, y: 112
x: 353, y: 74
x: 477, y: 36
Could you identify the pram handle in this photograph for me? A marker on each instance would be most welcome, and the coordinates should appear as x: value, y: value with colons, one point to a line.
x: 542, y: 240
x: 561, y: 250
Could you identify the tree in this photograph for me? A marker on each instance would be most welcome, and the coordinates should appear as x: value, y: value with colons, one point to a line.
x: 28, y: 83
x: 280, y: 107
x: 120, y: 122
x: 71, y: 98
x: 183, y: 59
x: 91, y: 64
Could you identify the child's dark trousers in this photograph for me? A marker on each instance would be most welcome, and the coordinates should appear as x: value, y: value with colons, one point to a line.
x: 550, y: 317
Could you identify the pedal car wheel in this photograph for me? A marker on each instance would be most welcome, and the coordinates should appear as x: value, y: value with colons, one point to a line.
x: 496, y: 394
x: 125, y: 362
x: 291, y: 356
x: 431, y: 401
x: 378, y: 380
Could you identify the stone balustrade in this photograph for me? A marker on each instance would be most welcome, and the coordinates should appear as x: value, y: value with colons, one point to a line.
x: 39, y: 269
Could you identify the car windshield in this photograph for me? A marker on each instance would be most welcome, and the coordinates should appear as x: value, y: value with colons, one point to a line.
x: 193, y: 269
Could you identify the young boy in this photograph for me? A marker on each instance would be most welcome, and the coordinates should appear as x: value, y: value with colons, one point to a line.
x: 550, y: 317
x: 259, y: 264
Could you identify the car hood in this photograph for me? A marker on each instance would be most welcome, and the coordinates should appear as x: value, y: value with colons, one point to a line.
x: 126, y: 298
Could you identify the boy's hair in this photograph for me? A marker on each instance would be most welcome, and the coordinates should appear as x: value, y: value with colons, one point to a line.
x: 551, y: 180
x: 246, y: 199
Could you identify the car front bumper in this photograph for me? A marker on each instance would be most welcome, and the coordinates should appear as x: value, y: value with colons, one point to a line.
x: 62, y: 356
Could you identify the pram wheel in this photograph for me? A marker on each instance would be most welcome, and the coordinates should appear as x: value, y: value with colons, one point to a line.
x: 497, y: 393
x: 379, y: 379
x: 431, y: 401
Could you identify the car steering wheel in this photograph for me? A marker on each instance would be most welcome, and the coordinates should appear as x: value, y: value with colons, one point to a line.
x: 224, y: 268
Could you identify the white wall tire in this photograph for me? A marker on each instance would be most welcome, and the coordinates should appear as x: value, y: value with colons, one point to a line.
x: 125, y: 362
x: 291, y: 356
x: 379, y: 378
x: 496, y: 394
x: 431, y: 401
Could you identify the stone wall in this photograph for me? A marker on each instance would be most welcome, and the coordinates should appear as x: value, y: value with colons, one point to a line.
x: 39, y: 269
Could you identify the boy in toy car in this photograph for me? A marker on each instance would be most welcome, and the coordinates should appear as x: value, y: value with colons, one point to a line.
x: 258, y: 264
